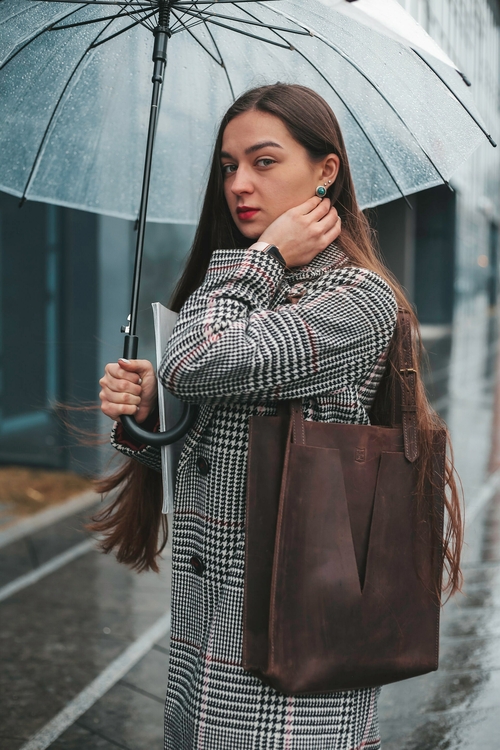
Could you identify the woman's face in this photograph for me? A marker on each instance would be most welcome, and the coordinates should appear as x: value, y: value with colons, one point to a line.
x: 266, y: 171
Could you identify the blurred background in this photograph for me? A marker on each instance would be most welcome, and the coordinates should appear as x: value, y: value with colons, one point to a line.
x: 64, y: 293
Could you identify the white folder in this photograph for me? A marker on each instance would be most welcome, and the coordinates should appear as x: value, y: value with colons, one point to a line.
x: 170, y: 407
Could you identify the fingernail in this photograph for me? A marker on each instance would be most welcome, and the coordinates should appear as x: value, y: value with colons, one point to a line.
x: 140, y: 381
x: 122, y: 359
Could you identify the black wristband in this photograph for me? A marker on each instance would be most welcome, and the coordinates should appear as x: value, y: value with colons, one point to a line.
x: 273, y: 250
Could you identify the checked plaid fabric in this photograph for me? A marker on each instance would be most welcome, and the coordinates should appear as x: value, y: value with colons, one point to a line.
x: 237, y: 348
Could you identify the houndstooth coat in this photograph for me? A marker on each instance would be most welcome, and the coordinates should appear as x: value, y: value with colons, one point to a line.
x: 238, y: 346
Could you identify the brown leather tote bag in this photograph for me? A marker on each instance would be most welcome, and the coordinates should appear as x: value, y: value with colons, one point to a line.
x: 340, y: 571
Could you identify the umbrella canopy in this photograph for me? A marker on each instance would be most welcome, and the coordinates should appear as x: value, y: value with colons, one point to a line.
x: 75, y: 94
x: 388, y: 17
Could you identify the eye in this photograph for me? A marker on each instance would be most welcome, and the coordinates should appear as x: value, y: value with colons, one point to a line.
x: 265, y: 162
x: 228, y: 169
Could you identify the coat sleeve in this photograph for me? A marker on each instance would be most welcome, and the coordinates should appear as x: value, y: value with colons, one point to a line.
x: 145, y: 454
x: 227, y: 342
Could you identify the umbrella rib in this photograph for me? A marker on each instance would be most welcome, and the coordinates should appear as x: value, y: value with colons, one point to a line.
x: 356, y: 119
x: 206, y: 15
x: 239, y: 31
x: 81, y: 23
x: 187, y: 12
x: 190, y: 11
x: 219, y: 62
x: 36, y: 160
x: 223, y: 63
x: 488, y: 136
x: 372, y: 83
x: 122, y: 31
x: 39, y: 33
x: 177, y: 28
x: 146, y: 5
x: 145, y: 17
x: 104, y: 2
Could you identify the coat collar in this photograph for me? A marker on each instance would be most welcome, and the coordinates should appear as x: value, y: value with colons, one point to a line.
x: 330, y: 258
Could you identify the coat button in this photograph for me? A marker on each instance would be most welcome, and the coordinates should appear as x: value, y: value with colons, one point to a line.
x: 198, y: 565
x: 203, y: 465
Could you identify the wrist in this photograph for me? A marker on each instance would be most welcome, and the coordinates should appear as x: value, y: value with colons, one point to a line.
x: 270, y: 249
x: 260, y: 245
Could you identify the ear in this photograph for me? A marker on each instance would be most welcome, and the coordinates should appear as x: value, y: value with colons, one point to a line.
x: 331, y: 166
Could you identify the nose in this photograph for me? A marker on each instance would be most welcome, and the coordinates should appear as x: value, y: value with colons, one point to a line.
x: 242, y: 182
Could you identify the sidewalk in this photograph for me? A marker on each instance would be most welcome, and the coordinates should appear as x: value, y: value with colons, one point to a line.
x: 458, y: 706
x: 86, y: 619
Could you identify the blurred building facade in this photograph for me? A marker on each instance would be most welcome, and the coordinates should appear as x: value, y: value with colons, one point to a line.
x: 445, y: 249
x: 57, y: 335
x: 464, y: 223
x: 60, y: 328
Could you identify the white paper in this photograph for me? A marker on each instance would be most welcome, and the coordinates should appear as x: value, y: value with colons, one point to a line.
x: 170, y: 407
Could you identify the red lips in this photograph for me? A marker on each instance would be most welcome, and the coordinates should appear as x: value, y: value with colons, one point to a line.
x: 245, y: 213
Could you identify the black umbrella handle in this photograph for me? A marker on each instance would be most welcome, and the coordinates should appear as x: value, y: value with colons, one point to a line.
x: 157, y: 439
x: 138, y: 433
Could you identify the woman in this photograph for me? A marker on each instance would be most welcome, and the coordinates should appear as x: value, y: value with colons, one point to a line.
x: 238, y: 347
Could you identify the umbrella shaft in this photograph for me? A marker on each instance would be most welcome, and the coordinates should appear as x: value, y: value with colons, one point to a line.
x: 160, y: 59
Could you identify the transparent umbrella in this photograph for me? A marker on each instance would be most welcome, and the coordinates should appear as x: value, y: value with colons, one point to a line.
x: 78, y: 124
x: 388, y: 17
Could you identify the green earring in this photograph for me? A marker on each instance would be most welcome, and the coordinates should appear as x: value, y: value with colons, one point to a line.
x: 321, y: 191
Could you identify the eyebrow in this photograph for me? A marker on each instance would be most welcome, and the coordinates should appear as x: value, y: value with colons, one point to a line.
x: 251, y: 149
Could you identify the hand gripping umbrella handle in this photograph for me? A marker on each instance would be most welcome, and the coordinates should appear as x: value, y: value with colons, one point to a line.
x: 158, y: 439
x: 138, y: 433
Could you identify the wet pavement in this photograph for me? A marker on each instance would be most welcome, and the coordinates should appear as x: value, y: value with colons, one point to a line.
x: 60, y: 634
x: 458, y: 707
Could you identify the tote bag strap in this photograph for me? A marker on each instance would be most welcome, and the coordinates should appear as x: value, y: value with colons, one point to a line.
x: 292, y: 408
x: 403, y: 396
x: 296, y: 429
x: 404, y: 402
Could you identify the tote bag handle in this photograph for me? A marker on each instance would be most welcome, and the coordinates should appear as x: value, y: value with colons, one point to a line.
x: 404, y: 402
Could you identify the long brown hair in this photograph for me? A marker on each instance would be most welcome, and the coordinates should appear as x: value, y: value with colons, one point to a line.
x: 132, y: 522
